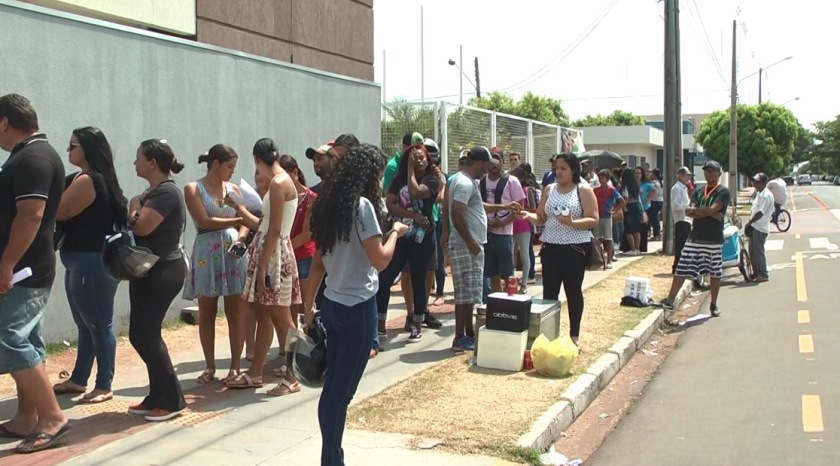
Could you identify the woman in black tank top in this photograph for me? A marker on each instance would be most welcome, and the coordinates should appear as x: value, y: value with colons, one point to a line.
x: 91, y: 208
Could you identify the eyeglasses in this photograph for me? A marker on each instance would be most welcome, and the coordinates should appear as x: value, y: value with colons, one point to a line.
x: 72, y: 146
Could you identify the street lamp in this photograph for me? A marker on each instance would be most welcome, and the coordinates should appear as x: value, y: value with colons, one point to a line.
x: 761, y: 75
x: 463, y: 75
x: 789, y: 101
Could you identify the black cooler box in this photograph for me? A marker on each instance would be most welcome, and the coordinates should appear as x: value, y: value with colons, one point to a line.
x: 508, y: 313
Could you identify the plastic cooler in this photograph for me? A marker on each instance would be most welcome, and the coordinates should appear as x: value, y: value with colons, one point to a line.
x: 502, y: 350
x: 731, y: 245
x: 508, y: 313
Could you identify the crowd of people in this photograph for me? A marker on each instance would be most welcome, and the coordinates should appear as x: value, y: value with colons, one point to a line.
x: 336, y: 247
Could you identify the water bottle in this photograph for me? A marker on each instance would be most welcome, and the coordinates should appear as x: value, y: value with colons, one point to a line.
x: 420, y: 234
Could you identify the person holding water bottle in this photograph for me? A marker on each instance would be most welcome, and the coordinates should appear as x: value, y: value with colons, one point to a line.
x: 411, y: 197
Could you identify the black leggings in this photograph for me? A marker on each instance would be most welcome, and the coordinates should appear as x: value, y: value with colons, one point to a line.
x: 565, y: 264
x: 418, y: 256
x: 150, y: 298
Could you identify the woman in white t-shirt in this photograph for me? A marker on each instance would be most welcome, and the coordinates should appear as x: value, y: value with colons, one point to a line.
x: 350, y: 249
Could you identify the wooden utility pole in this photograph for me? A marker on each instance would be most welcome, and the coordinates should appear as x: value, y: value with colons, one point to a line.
x: 477, y: 80
x: 672, y: 156
x: 733, y: 121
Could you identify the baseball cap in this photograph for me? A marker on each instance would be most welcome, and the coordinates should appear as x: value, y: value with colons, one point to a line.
x: 760, y: 177
x: 712, y: 165
x: 683, y: 171
x: 479, y: 154
x: 495, y: 158
x: 496, y: 150
x: 320, y: 150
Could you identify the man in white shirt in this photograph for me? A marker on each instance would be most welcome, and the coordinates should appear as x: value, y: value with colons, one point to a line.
x: 679, y: 202
x: 778, y: 188
x: 759, y: 226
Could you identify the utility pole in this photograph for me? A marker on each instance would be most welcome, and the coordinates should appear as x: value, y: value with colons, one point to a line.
x: 477, y: 81
x: 422, y: 60
x: 760, y: 73
x: 733, y: 120
x: 461, y: 77
x: 672, y: 155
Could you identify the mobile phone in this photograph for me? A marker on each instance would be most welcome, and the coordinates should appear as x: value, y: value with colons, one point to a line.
x: 268, y: 281
x: 237, y: 250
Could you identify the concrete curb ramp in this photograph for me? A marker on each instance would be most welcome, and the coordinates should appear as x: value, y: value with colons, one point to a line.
x: 574, y: 401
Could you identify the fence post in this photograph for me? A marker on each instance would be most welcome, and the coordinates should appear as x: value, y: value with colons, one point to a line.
x: 444, y: 138
x: 436, y: 120
x: 492, y: 129
x: 529, y: 143
x: 559, y: 144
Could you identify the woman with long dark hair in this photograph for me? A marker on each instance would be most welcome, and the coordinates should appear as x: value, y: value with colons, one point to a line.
x: 631, y: 191
x: 157, y: 218
x: 214, y: 272
x: 350, y: 248
x: 569, y: 210
x: 271, y: 285
x: 93, y: 207
x: 412, y: 196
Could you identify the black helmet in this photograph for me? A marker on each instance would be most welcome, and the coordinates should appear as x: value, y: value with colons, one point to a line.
x: 124, y: 260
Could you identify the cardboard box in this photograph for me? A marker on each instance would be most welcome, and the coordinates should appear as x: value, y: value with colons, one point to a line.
x: 636, y: 287
x: 508, y: 313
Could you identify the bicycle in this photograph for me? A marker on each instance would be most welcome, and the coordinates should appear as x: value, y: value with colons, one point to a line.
x: 783, y: 221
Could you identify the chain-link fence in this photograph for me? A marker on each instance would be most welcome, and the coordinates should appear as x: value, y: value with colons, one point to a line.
x: 403, y: 118
x: 457, y: 127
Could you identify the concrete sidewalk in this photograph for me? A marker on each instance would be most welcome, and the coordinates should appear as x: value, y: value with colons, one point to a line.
x: 247, y: 427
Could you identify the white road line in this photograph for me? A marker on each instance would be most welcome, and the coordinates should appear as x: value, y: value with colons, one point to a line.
x: 836, y: 213
x: 774, y: 245
x: 821, y: 242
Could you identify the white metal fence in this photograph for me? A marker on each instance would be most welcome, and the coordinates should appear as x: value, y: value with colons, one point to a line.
x: 459, y: 127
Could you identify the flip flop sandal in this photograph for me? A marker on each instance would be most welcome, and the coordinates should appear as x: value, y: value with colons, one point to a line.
x: 244, y: 380
x: 231, y: 375
x: 207, y: 376
x: 289, y: 388
x: 29, y: 445
x: 100, y: 398
x: 6, y: 433
x: 63, y: 389
x: 280, y: 371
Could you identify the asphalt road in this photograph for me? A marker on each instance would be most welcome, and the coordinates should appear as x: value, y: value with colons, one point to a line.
x: 760, y: 384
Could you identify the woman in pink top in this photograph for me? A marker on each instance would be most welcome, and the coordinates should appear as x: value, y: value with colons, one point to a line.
x: 522, y: 228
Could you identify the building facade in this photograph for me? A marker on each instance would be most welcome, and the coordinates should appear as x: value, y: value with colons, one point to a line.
x: 329, y: 35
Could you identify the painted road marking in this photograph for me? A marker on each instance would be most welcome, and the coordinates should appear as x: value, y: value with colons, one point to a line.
x: 792, y: 203
x: 803, y: 317
x: 806, y: 344
x: 774, y: 245
x: 836, y: 213
x: 798, y: 236
x: 801, y: 292
x: 812, y: 420
x: 821, y: 242
x: 819, y: 201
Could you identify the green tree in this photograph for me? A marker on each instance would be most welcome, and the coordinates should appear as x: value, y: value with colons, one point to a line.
x: 825, y: 156
x: 402, y: 117
x: 804, y: 145
x: 767, y: 134
x: 616, y: 118
x: 531, y: 106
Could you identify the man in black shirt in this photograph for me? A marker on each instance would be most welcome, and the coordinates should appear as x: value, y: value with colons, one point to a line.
x: 702, y: 254
x: 31, y: 185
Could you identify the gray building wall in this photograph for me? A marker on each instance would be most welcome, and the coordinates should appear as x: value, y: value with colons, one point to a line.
x: 136, y: 85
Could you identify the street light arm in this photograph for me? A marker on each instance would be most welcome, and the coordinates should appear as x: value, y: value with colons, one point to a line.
x: 763, y: 69
x: 452, y: 62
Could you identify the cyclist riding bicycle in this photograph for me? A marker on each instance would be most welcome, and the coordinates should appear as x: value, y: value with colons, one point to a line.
x: 778, y: 188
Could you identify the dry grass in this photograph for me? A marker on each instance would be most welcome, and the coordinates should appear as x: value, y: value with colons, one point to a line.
x: 476, y: 410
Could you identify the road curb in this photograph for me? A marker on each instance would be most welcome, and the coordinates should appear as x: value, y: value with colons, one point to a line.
x: 574, y: 401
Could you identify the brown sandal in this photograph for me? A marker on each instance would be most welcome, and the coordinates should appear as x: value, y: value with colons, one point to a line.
x: 207, y: 376
x: 64, y: 388
x: 231, y: 375
x: 284, y: 388
x: 244, y: 380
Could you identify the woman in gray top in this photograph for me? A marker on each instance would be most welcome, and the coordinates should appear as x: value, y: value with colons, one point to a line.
x: 350, y: 249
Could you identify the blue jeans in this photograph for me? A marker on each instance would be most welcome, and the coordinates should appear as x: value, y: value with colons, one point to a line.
x: 90, y: 293
x: 532, y: 273
x: 440, y: 271
x: 375, y: 324
x: 348, y: 347
x: 21, y: 314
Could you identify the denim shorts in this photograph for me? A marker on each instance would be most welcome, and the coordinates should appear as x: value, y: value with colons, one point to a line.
x: 498, y: 256
x: 304, y: 266
x: 21, y: 313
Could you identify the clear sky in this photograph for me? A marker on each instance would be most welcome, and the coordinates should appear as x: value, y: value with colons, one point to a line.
x: 539, y: 45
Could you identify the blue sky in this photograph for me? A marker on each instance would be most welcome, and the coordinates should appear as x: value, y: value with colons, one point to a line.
x: 539, y: 45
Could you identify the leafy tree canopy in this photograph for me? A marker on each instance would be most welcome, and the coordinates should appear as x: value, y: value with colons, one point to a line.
x: 616, y: 118
x: 531, y: 106
x: 767, y: 136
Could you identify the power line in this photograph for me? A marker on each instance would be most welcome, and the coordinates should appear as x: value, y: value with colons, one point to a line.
x: 705, y: 41
x: 586, y: 99
x: 564, y: 54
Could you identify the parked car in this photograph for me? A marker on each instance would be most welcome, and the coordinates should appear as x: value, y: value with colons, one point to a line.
x: 803, y: 180
x: 789, y: 180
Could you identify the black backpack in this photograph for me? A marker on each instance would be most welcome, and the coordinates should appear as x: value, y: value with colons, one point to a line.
x: 497, y: 193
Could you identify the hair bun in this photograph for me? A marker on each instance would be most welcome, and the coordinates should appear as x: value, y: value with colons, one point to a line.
x: 204, y: 158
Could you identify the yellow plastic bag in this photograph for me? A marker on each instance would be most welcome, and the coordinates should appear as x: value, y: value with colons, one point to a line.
x: 554, y: 358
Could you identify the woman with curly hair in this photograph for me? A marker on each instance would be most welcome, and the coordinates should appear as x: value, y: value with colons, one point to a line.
x: 412, y: 196
x: 350, y: 249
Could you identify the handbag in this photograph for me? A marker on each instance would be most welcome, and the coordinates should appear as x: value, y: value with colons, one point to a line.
x: 596, y: 258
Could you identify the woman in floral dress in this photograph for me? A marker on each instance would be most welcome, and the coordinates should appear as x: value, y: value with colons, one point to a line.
x: 216, y: 272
